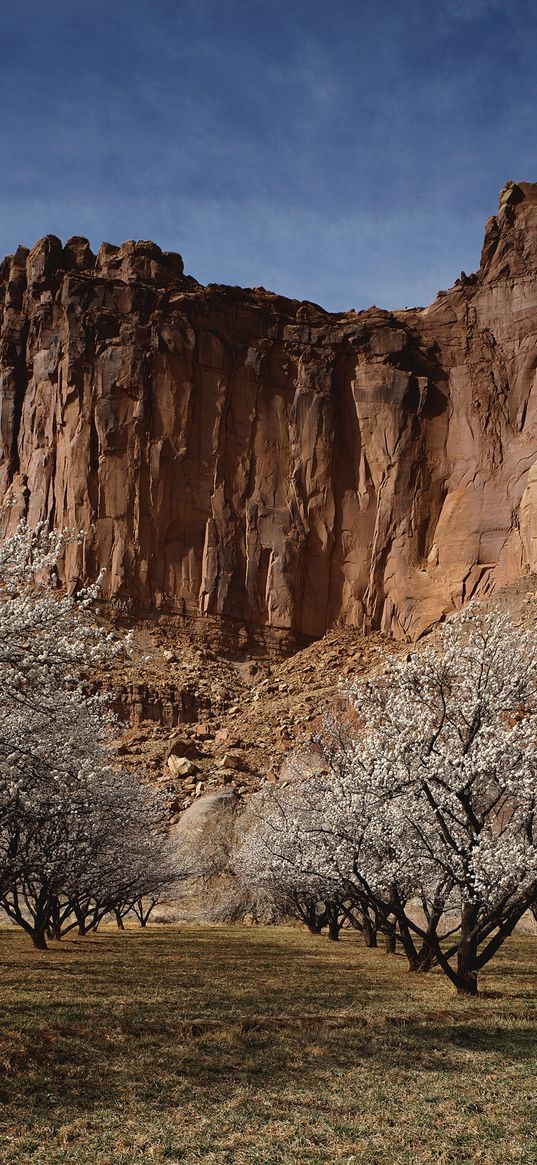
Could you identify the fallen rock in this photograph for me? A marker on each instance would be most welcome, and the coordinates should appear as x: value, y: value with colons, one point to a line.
x: 203, y: 731
x: 231, y: 760
x: 181, y: 766
x: 169, y: 656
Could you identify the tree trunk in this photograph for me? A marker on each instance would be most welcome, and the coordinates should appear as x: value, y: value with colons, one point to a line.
x: 81, y: 916
x: 42, y: 918
x: 142, y: 913
x: 369, y: 932
x: 333, y: 930
x: 425, y: 958
x: 467, y: 952
x: 119, y: 920
x: 313, y: 920
x: 396, y: 910
x: 407, y: 944
x: 54, y: 926
x: 467, y: 982
x: 390, y: 944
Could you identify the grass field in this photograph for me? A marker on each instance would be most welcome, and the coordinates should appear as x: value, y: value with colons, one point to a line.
x: 260, y: 1046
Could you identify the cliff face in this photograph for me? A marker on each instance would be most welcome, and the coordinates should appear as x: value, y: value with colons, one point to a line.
x: 233, y: 453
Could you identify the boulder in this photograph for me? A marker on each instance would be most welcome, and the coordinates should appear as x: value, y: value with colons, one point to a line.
x: 232, y: 760
x: 181, y: 766
x: 221, y: 801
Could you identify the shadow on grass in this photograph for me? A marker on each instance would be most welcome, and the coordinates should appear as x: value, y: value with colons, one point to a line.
x: 161, y: 1017
x: 81, y: 1066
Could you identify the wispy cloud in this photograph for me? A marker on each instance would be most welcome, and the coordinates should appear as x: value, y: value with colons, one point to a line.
x: 346, y: 154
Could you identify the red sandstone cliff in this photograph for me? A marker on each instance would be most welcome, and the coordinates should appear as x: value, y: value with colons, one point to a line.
x: 233, y: 452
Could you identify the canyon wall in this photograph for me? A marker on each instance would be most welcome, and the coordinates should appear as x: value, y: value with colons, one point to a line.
x: 232, y: 453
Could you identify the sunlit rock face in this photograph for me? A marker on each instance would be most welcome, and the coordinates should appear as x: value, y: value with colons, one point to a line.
x: 234, y: 453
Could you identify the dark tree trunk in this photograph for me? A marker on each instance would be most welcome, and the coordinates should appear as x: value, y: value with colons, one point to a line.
x: 408, y: 945
x: 95, y: 917
x: 143, y: 913
x: 55, y: 926
x: 334, y: 918
x: 467, y: 952
x: 81, y: 916
x: 467, y: 984
x: 425, y: 959
x: 314, y: 921
x: 396, y: 910
x: 38, y: 924
x: 390, y: 944
x: 369, y: 932
x: 42, y: 918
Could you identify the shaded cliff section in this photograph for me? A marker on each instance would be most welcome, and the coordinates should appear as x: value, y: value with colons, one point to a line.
x: 235, y: 454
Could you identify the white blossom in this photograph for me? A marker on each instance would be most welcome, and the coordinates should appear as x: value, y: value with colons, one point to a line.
x: 74, y: 827
x: 431, y: 796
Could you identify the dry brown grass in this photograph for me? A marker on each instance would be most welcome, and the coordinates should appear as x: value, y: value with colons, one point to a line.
x: 260, y: 1047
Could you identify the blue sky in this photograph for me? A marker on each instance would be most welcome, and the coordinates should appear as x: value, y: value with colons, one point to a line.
x: 345, y: 151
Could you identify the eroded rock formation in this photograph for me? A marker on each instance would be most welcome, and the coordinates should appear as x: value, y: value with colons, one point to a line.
x: 234, y: 453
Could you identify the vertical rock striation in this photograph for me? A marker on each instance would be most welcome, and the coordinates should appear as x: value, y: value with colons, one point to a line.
x: 234, y: 453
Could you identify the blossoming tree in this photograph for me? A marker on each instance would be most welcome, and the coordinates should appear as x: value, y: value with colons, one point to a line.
x: 449, y: 755
x: 428, y: 814
x: 77, y: 834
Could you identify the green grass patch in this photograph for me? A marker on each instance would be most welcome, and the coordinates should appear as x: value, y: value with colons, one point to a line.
x: 231, y: 1046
